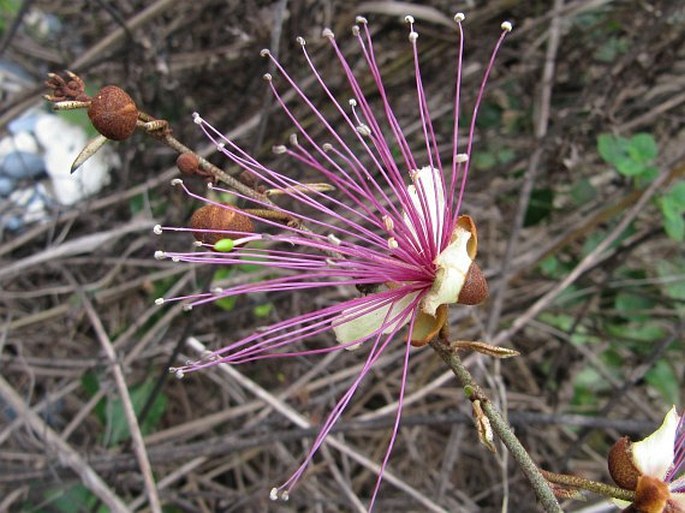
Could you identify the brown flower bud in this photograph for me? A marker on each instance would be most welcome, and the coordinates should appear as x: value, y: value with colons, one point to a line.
x: 113, y: 113
x: 475, y: 288
x: 188, y: 163
x: 216, y: 217
x: 621, y: 466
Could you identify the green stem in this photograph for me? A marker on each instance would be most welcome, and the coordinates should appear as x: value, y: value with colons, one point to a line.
x: 542, y: 489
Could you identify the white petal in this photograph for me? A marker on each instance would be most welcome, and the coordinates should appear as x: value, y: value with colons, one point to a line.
x: 654, y: 455
x: 453, y: 264
x: 360, y: 328
x: 429, y: 180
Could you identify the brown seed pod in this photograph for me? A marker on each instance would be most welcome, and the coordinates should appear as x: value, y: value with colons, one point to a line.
x: 475, y: 288
x: 621, y: 466
x: 113, y: 113
x: 216, y: 217
x: 188, y: 163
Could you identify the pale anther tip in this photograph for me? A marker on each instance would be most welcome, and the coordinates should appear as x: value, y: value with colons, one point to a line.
x: 176, y: 181
x: 409, y: 19
x: 160, y: 255
x: 210, y: 186
x: 264, y: 52
x: 361, y: 20
x: 176, y: 259
x: 364, y: 130
x: 267, y: 77
x: 327, y: 146
x: 159, y: 301
x: 279, y: 149
x: 187, y: 307
x: 273, y: 494
x: 179, y: 373
x: 355, y: 30
x: 285, y: 495
x: 352, y: 102
x: 413, y: 36
x: 328, y: 33
x: 293, y: 140
x: 459, y: 17
x: 300, y: 41
x: 507, y: 26
x: 460, y: 158
x: 392, y: 243
x: 157, y: 229
x: 197, y: 243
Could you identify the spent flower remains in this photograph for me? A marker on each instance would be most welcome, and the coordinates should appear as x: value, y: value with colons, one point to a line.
x: 381, y: 217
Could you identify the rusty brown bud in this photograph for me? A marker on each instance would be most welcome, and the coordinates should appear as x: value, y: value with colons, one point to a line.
x: 216, y: 217
x: 621, y: 466
x: 113, y: 113
x: 188, y: 163
x: 475, y: 289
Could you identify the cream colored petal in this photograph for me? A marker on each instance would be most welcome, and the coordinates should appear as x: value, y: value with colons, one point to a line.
x: 654, y: 455
x: 429, y: 180
x: 362, y: 327
x: 453, y: 264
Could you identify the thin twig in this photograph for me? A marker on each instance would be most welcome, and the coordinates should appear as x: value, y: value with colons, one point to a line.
x: 129, y: 412
x: 501, y: 427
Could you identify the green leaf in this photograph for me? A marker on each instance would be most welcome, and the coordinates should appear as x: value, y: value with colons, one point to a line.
x: 643, y: 148
x: 676, y: 194
x: 583, y: 191
x: 668, y: 270
x: 629, y: 167
x: 262, y: 310
x: 675, y: 228
x: 540, y: 207
x: 632, y: 305
x: 76, y: 498
x: 664, y: 379
x: 226, y: 303
x: 116, y: 419
x: 612, y: 148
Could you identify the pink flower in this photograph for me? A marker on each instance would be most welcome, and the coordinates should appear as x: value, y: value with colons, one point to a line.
x: 393, y: 224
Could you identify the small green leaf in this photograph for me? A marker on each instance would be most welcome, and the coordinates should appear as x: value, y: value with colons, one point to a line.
x: 629, y: 167
x: 676, y: 194
x: 583, y: 191
x: 632, y: 305
x: 226, y: 303
x: 643, y: 148
x: 675, y: 228
x: 663, y: 378
x: 673, y: 274
x: 116, y: 419
x: 73, y: 498
x: 612, y: 148
x: 540, y: 207
x: 262, y: 310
